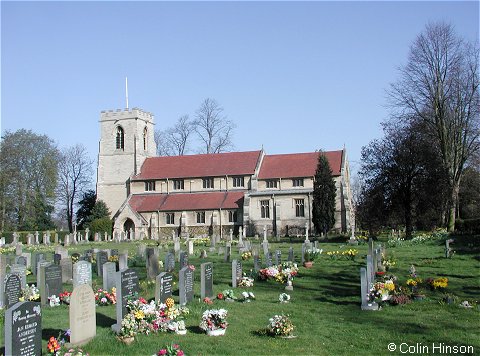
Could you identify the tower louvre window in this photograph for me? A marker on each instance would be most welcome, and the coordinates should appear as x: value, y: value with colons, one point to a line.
x: 145, y: 135
x: 149, y: 185
x: 120, y: 141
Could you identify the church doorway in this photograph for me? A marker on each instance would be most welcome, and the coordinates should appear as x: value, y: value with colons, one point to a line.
x: 128, y: 226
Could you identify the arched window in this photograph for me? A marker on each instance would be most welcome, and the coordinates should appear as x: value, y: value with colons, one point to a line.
x: 145, y: 135
x: 120, y: 139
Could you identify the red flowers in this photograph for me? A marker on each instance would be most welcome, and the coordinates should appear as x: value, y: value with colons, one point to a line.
x: 207, y: 300
x: 220, y: 296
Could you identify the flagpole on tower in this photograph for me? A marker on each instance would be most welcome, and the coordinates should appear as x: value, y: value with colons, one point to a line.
x: 126, y: 90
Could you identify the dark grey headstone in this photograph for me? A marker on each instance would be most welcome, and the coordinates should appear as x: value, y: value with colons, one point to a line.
x: 268, y: 259
x: 114, y: 252
x: 169, y: 262
x: 23, y: 329
x: 52, y: 277
x: 123, y: 261
x: 163, y: 287
x: 12, y: 290
x: 67, y: 269
x: 183, y: 259
x: 206, y: 280
x: 228, y: 253
x: 278, y: 257
x: 36, y: 260
x: 102, y: 257
x: 127, y: 285
x: 186, y: 285
x: 56, y: 258
x: 291, y: 257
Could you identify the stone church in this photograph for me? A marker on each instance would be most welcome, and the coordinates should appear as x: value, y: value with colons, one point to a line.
x: 207, y: 194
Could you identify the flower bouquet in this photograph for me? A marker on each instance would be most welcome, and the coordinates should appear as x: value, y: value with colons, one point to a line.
x: 284, y: 298
x: 281, y: 325
x: 103, y: 297
x: 311, y: 254
x: 30, y: 293
x: 246, y: 282
x: 279, y: 273
x: 53, y: 346
x: 247, y: 297
x: 65, y: 297
x: 227, y: 295
x: 54, y: 301
x: 178, y: 327
x: 246, y: 255
x: 214, y: 322
x: 171, y: 350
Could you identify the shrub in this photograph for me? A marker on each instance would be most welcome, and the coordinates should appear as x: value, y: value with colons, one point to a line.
x: 101, y: 225
x: 471, y: 226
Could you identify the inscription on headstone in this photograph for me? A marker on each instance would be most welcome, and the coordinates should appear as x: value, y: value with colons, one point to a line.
x: 12, y: 290
x: 186, y: 285
x: 82, y: 315
x: 206, y: 280
x: 127, y: 286
x: 163, y: 287
x: 23, y: 329
x: 237, y: 273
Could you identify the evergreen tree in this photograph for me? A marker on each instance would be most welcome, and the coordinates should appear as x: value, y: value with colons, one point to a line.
x: 324, y: 192
x: 85, y: 209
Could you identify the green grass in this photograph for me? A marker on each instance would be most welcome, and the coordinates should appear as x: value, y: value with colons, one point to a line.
x: 325, y: 309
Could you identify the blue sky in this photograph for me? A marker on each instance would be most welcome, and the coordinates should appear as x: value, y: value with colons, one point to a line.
x: 293, y: 76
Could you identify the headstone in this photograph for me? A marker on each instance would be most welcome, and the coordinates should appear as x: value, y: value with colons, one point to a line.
x: 50, y: 282
x: 190, y: 247
x: 15, y: 238
x: 127, y: 286
x: 83, y: 318
x: 3, y: 273
x: 305, y: 247
x: 55, y: 238
x: 56, y: 258
x: 365, y: 289
x: 18, y: 249
x: 186, y: 285
x: 278, y: 257
x: 291, y: 257
x: 21, y: 272
x: 257, y: 263
x: 41, y: 264
x: 163, y: 287
x: 448, y: 250
x: 102, y: 258
x: 36, y: 259
x: 183, y: 259
x: 176, y: 245
x: 268, y: 259
x: 370, y: 246
x: 237, y: 273
x: 108, y: 275
x: 370, y: 272
x: 12, y: 290
x: 206, y: 280
x: 228, y: 253
x: 23, y: 329
x: 153, y: 267
x: 123, y: 261
x: 66, y: 265
x: 82, y: 273
x: 306, y: 233
x: 37, y: 238
x: 169, y: 262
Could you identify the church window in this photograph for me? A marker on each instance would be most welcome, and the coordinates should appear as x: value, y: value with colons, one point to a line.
x: 200, y: 217
x: 207, y: 183
x: 232, y: 216
x: 145, y: 135
x: 120, y: 141
x: 170, y: 218
x: 272, y: 183
x: 299, y: 208
x: 265, y: 209
x: 238, y: 182
x: 298, y: 182
x: 149, y: 185
x: 178, y: 184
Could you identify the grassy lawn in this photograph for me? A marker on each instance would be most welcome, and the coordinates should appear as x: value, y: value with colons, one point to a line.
x: 325, y: 308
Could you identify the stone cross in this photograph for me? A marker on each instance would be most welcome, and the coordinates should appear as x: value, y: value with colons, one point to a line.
x: 365, y: 289
x: 306, y: 233
x: 37, y: 241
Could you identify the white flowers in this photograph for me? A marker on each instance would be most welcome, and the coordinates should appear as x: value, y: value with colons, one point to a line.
x: 54, y: 301
x: 248, y: 296
x: 214, y: 319
x: 284, y: 298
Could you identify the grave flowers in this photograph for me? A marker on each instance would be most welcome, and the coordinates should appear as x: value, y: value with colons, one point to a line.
x: 284, y: 298
x: 214, y: 322
x: 171, y: 350
x: 65, y: 297
x: 311, y: 254
x: 54, y: 301
x: 246, y: 255
x: 280, y: 325
x: 279, y: 273
x: 103, y: 297
x: 30, y: 293
x: 53, y: 346
x: 247, y: 297
x: 246, y: 282
x: 227, y: 295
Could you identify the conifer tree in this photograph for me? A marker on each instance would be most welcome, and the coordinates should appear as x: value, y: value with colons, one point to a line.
x: 324, y: 192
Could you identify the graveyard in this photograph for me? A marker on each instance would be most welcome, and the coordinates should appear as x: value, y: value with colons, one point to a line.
x: 328, y: 303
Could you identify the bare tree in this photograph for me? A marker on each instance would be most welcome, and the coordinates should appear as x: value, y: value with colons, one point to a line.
x: 164, y: 147
x: 74, y: 177
x: 440, y: 87
x: 213, y: 128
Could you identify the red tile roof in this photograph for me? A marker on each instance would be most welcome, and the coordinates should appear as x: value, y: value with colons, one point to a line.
x: 204, y: 165
x: 297, y: 165
x: 186, y: 201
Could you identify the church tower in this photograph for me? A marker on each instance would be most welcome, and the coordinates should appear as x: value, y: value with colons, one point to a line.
x: 126, y: 139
